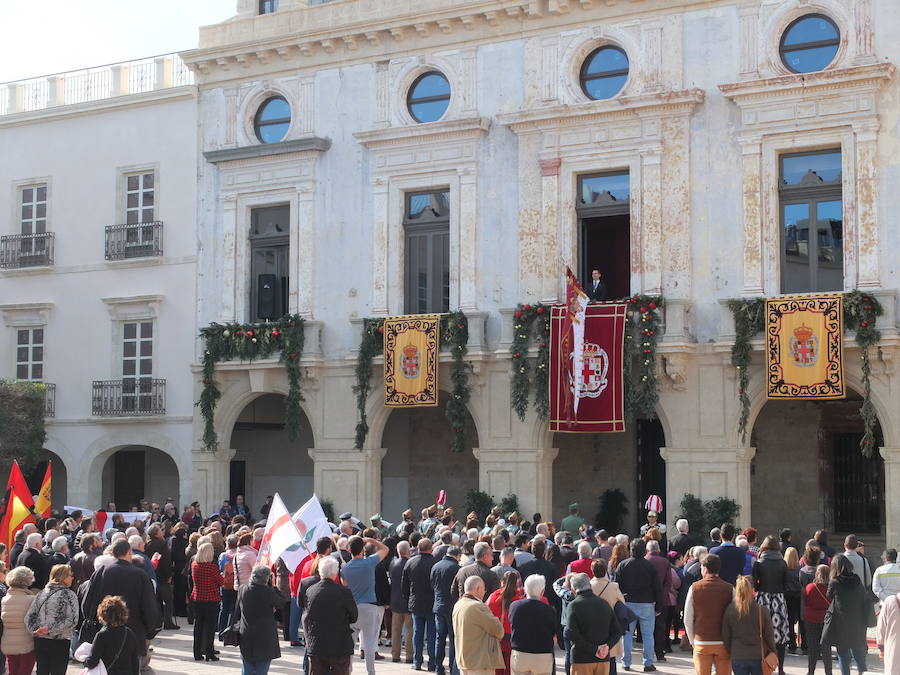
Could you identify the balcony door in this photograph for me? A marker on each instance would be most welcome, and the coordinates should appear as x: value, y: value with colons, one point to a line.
x: 604, y: 232
x: 269, y: 262
x: 137, y: 366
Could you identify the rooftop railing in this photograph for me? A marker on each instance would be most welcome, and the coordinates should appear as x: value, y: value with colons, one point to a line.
x: 93, y: 84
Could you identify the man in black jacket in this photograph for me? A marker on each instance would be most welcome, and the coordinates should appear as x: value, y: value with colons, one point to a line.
x: 683, y: 541
x: 133, y: 585
x: 484, y: 559
x: 33, y: 558
x: 595, y: 289
x: 442, y: 575
x: 164, y: 573
x: 419, y: 596
x: 639, y: 582
x: 593, y: 627
x: 330, y: 611
x: 401, y: 619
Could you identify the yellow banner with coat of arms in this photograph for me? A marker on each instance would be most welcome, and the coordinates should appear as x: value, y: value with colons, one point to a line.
x: 411, y: 360
x: 805, y: 346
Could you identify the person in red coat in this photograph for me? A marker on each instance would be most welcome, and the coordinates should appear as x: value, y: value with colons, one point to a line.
x: 583, y: 564
x: 206, y: 595
x: 815, y: 605
x: 499, y: 602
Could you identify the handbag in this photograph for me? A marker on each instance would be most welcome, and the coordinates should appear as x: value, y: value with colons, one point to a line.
x: 231, y: 636
x: 770, y: 660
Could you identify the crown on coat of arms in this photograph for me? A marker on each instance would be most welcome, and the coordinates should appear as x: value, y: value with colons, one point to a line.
x: 803, y: 333
x: 410, y: 351
x: 590, y: 350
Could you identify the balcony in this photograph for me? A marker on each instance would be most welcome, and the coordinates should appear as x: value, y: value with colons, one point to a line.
x: 134, y: 240
x: 26, y: 250
x: 49, y: 400
x: 128, y: 397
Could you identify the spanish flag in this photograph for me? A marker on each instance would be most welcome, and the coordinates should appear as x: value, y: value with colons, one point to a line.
x: 42, y: 507
x: 17, y: 506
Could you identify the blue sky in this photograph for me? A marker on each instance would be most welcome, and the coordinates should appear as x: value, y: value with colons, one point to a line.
x: 40, y: 37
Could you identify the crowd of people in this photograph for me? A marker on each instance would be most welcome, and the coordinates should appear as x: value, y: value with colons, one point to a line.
x: 486, y: 593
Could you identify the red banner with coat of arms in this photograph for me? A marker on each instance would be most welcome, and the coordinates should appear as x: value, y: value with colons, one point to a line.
x: 601, y: 396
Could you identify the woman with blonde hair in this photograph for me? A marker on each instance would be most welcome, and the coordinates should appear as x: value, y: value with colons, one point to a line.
x: 747, y: 630
x: 52, y: 619
x: 205, y: 595
x: 17, y: 641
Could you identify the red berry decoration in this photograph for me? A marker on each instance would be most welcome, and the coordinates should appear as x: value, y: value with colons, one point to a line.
x: 863, y: 323
x: 239, y: 333
x: 518, y: 314
x: 249, y: 333
x: 643, y: 310
x: 652, y: 305
x: 275, y: 332
x: 526, y: 307
x: 458, y: 430
x: 461, y: 326
x: 540, y: 310
x: 381, y: 329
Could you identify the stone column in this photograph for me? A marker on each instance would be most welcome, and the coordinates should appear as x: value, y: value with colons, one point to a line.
x: 349, y: 479
x: 526, y: 472
x: 550, y: 229
x: 891, y: 499
x: 56, y: 86
x: 751, y: 159
x: 164, y: 66
x: 211, y: 479
x: 708, y: 473
x: 867, y: 247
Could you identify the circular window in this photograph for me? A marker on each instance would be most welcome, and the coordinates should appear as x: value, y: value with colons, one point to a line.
x: 604, y: 72
x: 272, y: 120
x: 810, y: 43
x: 429, y: 97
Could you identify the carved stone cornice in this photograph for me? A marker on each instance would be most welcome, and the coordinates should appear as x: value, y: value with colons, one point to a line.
x: 311, y: 144
x: 809, y: 85
x: 450, y: 130
x: 661, y: 104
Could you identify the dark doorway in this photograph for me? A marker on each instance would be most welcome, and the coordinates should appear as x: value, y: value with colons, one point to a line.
x: 604, y: 230
x: 237, y: 479
x: 129, y: 478
x: 606, y: 245
x: 858, y: 486
x: 651, y: 468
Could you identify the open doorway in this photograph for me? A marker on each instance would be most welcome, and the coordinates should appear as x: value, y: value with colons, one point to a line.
x: 604, y: 231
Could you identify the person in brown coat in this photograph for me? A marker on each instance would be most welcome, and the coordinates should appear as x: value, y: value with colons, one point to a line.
x: 477, y: 631
x: 704, y: 608
x: 741, y: 629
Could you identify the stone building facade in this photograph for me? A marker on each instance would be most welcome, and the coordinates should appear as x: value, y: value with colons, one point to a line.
x: 672, y: 144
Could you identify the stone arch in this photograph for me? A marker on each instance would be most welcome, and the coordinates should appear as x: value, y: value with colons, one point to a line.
x: 772, y: 29
x: 59, y: 476
x: 236, y: 397
x: 265, y: 460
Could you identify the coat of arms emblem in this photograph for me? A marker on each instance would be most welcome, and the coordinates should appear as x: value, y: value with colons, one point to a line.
x: 593, y: 372
x: 410, y: 362
x: 804, y: 347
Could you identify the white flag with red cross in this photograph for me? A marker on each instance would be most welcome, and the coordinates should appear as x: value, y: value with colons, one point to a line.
x: 281, y: 539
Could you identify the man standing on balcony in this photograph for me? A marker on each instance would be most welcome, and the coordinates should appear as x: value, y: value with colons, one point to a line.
x: 596, y: 289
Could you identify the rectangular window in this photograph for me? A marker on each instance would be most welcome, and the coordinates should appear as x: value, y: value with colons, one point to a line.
x: 812, y: 222
x: 140, y: 198
x: 426, y: 223
x: 30, y: 354
x: 137, y: 365
x: 604, y: 234
x: 33, y: 213
x: 268, y: 6
x: 269, y: 272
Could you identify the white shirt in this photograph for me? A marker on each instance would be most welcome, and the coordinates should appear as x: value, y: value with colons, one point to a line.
x: 886, y: 581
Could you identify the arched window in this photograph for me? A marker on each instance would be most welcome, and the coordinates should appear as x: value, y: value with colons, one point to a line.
x: 272, y: 120
x: 810, y: 43
x: 604, y: 73
x: 429, y: 97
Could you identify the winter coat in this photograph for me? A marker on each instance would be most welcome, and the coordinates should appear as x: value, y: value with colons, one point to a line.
x: 330, y: 610
x: 395, y: 574
x: 478, y: 633
x: 255, y: 613
x: 845, y: 620
x: 442, y: 575
x: 770, y: 573
x: 741, y: 633
x: 609, y: 591
x: 17, y: 639
x: 244, y: 560
x: 416, y: 582
x: 55, y: 607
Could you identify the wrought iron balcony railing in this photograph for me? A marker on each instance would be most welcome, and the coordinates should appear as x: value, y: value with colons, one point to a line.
x: 26, y: 250
x: 129, y: 397
x: 49, y: 400
x: 134, y: 240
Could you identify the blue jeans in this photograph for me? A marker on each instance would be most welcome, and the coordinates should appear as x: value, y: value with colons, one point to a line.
x: 255, y: 667
x: 423, y: 635
x: 567, y: 648
x: 444, y: 628
x: 746, y: 666
x: 294, y: 629
x: 646, y: 613
x: 859, y: 655
x: 226, y: 609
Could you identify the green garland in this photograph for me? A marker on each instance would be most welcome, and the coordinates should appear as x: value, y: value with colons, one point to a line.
x: 749, y: 315
x: 641, y: 336
x: 455, y: 337
x: 860, y: 313
x: 532, y: 322
x: 248, y: 342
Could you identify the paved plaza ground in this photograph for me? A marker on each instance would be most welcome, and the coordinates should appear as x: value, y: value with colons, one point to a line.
x: 172, y: 654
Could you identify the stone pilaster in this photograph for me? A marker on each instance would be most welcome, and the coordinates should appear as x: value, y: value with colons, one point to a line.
x: 708, y: 473
x: 526, y: 472
x: 211, y: 479
x: 350, y: 479
x: 891, y: 502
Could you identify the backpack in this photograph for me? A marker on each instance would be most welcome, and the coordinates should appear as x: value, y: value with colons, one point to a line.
x: 228, y: 572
